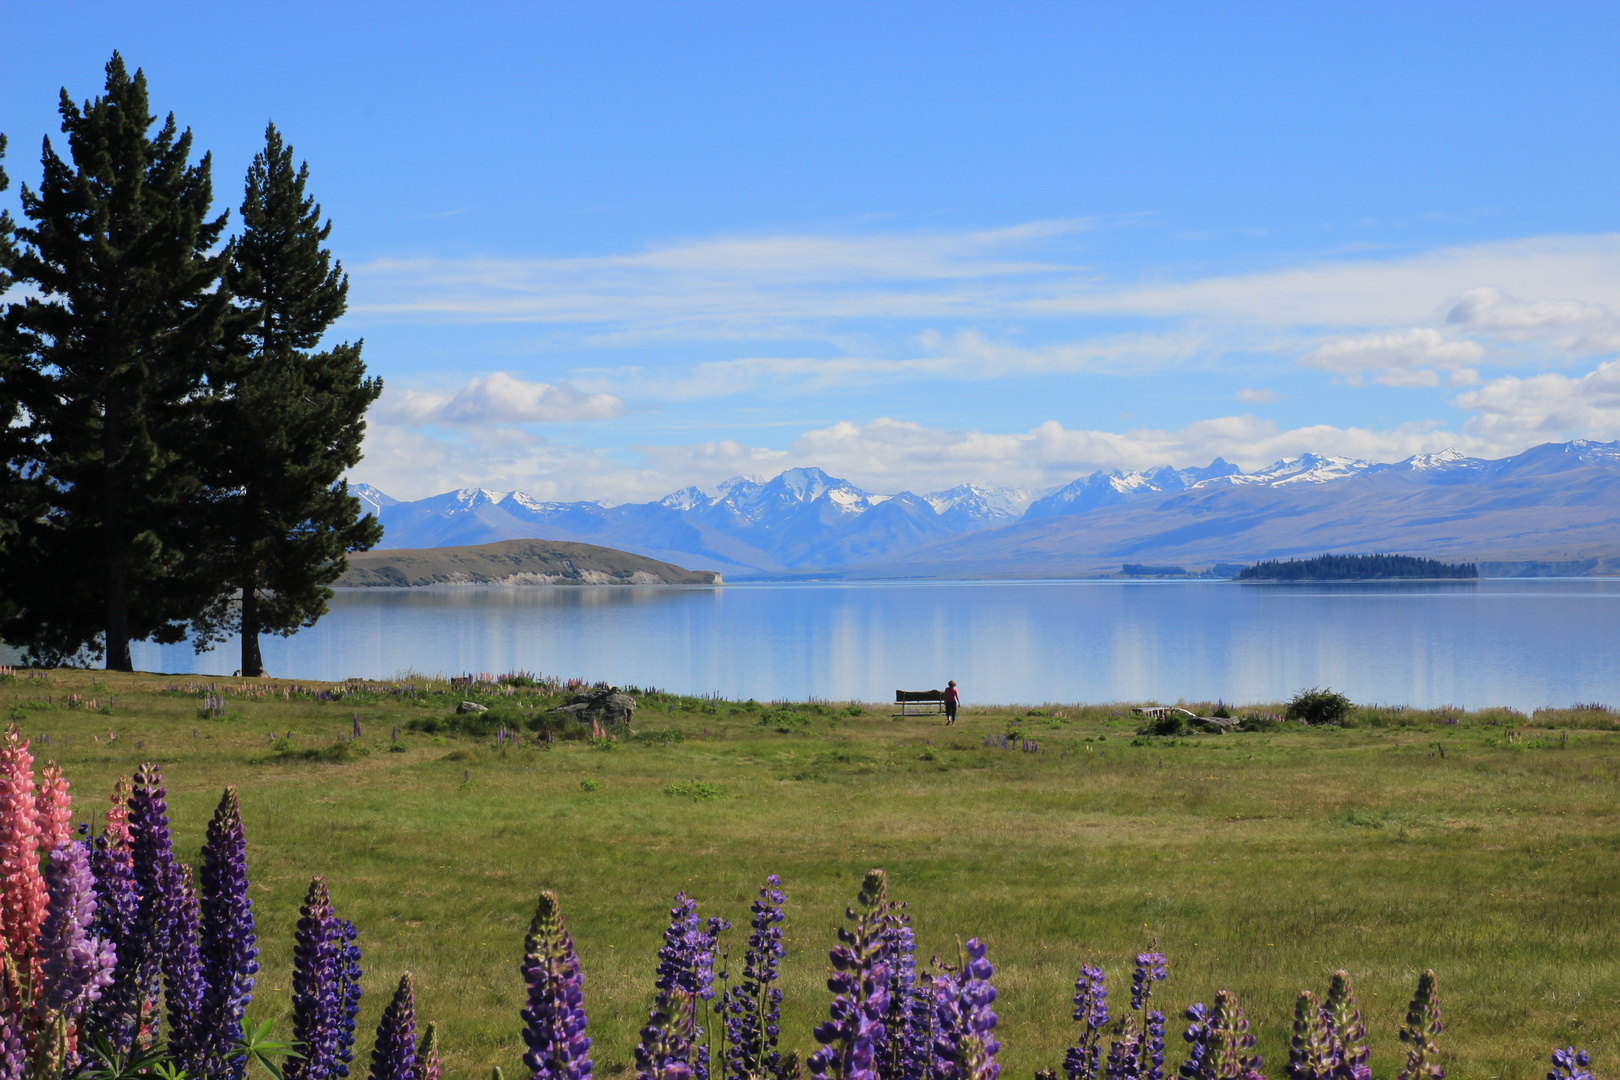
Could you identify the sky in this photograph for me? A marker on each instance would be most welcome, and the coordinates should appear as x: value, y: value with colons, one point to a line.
x: 607, y: 250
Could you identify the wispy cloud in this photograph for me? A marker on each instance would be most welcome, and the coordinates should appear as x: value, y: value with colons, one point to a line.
x: 1414, y: 357
x: 496, y: 399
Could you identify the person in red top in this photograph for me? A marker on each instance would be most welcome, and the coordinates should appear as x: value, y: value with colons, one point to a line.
x: 951, y: 698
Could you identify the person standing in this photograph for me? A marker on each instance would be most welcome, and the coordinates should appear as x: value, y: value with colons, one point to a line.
x: 951, y: 698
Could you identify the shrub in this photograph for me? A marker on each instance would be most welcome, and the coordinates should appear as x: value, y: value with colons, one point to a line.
x: 1256, y: 722
x: 590, y: 785
x: 853, y: 710
x: 1316, y: 707
x: 785, y: 719
x: 697, y: 790
x: 1171, y: 724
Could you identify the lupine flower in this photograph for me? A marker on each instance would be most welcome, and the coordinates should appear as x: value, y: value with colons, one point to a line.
x: 1150, y: 968
x: 183, y: 987
x: 1570, y: 1064
x: 325, y: 989
x: 427, y: 1055
x: 665, y: 1049
x: 393, y: 1056
x: 53, y: 807
x: 1138, y: 1053
x: 228, y: 945
x: 1343, y: 1022
x: 116, y: 1014
x: 686, y: 965
x: 900, y: 947
x: 74, y: 966
x: 964, y: 1044
x: 1419, y: 1031
x: 922, y: 1028
x: 1090, y: 1009
x: 13, y: 1048
x: 752, y: 1009
x: 157, y: 881
x: 22, y: 886
x: 554, y: 1019
x: 1220, y: 1043
x: 860, y: 982
x: 1311, y: 1053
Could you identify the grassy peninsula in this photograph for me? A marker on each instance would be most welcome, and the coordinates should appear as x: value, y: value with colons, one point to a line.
x: 1481, y: 844
x: 1357, y: 568
x: 515, y: 562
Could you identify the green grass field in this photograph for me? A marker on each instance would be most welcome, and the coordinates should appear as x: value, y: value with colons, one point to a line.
x: 1259, y: 861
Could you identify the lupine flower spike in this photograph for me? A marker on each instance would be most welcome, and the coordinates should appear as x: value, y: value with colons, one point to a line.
x: 22, y: 886
x: 1570, y: 1064
x: 393, y: 1057
x: 1220, y: 1043
x: 326, y: 989
x: 665, y: 1050
x: 74, y: 966
x: 1421, y: 1027
x: 860, y: 978
x: 229, y: 945
x: 427, y: 1055
x: 1090, y: 1009
x: 554, y: 1020
x: 1311, y: 1053
x: 115, y: 1014
x: 965, y: 1045
x: 1343, y: 1022
x: 183, y: 987
x: 753, y: 1007
x: 157, y: 885
x: 1137, y: 1053
x: 686, y: 965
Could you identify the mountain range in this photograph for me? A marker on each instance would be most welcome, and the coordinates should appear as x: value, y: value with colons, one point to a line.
x: 1554, y: 505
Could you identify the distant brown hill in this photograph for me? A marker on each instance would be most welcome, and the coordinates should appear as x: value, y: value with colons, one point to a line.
x: 515, y: 562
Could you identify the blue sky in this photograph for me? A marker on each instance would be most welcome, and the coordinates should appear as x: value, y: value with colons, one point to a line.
x: 608, y: 250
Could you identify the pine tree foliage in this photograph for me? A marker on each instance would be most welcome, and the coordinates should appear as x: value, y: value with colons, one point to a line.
x: 124, y: 263
x: 15, y: 456
x: 1355, y: 568
x: 289, y: 420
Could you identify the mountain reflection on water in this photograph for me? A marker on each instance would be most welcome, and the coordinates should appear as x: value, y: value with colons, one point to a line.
x: 1522, y: 642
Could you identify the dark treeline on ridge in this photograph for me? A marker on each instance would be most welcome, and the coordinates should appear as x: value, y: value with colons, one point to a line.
x: 1355, y: 568
x: 175, y: 438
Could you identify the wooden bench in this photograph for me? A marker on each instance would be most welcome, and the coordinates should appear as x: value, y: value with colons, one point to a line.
x: 904, y: 698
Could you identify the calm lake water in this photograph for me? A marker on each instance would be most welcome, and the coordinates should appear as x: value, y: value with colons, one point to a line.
x: 1523, y: 643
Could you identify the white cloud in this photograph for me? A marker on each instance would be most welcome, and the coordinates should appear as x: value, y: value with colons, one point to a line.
x: 1256, y: 397
x: 1403, y: 358
x: 496, y: 399
x: 1574, y: 325
x: 1552, y: 406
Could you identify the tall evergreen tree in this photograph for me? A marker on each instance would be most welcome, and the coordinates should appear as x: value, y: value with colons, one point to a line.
x: 289, y: 419
x: 126, y: 266
x: 15, y: 455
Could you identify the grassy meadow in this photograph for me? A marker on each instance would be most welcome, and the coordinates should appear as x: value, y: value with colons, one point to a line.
x: 1259, y: 861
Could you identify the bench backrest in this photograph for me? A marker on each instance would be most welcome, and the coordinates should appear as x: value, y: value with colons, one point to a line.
x: 918, y: 695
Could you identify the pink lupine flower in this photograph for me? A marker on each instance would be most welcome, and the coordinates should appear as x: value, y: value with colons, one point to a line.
x: 53, y: 808
x: 22, y: 886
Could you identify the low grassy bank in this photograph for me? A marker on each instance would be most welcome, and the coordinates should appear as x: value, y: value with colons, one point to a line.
x: 1480, y: 844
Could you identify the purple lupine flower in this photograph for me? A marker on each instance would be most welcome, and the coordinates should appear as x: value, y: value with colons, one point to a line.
x: 183, y: 986
x: 393, y: 1057
x: 752, y: 1009
x: 686, y: 965
x: 229, y: 946
x: 900, y: 945
x: 1138, y: 1051
x: 157, y: 882
x: 965, y: 1045
x: 1342, y: 1020
x: 1091, y: 1009
x: 1570, y: 1064
x: 116, y: 1013
x: 74, y: 966
x: 921, y: 1063
x: 325, y: 989
x: 1150, y: 968
x: 1311, y: 1052
x: 13, y: 1048
x: 1220, y: 1043
x: 665, y: 1049
x: 1419, y: 1031
x: 860, y: 982
x: 554, y: 1019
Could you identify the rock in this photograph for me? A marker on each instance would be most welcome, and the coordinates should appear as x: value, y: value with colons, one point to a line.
x: 611, y: 707
x: 471, y: 707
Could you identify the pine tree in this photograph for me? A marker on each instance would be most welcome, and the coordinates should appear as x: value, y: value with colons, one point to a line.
x: 289, y: 420
x: 15, y: 456
x: 123, y: 259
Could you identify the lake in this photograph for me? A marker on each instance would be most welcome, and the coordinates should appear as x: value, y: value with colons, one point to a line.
x: 1521, y: 642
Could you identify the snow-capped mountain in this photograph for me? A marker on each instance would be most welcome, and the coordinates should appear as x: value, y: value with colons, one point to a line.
x: 806, y: 520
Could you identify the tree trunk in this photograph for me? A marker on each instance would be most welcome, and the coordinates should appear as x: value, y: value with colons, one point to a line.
x: 252, y: 663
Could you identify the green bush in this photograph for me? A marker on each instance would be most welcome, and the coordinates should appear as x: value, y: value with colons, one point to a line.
x: 1316, y: 707
x: 1255, y: 722
x: 1170, y: 724
x: 697, y: 790
x: 590, y: 785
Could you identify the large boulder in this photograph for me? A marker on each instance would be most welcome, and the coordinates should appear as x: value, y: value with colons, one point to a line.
x: 612, y: 708
x: 471, y: 707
